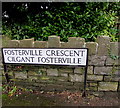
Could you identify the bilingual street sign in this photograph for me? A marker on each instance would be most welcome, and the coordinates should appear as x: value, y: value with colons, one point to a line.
x: 45, y: 56
x: 48, y: 56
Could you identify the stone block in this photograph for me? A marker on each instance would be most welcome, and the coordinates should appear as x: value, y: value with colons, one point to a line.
x: 114, y: 48
x: 76, y: 78
x: 21, y: 75
x: 103, y: 45
x: 64, y: 44
x: 92, y: 46
x: 13, y: 43
x: 65, y: 70
x: 40, y: 44
x: 79, y: 70
x: 27, y: 43
x: 34, y: 72
x: 52, y: 72
x: 110, y: 61
x: 92, y: 88
x: 4, y: 41
x: 76, y: 42
x: 80, y: 85
x: 103, y: 70
x: 97, y: 60
x: 95, y: 77
x: 62, y: 79
x: 108, y: 86
x: 92, y: 84
x: 54, y: 42
x: 63, y: 74
x: 90, y: 70
x: 31, y: 78
x: 112, y: 78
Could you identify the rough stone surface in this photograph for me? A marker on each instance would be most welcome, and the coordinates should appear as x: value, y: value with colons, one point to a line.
x: 92, y: 84
x: 95, y: 77
x: 108, y: 86
x: 63, y: 74
x: 92, y: 88
x: 92, y: 46
x: 103, y: 45
x: 65, y: 70
x: 21, y: 75
x: 40, y: 44
x: 96, y: 60
x: 76, y: 42
x: 90, y: 70
x: 52, y: 72
x: 79, y: 70
x: 34, y: 72
x: 76, y: 78
x: 103, y: 70
x: 110, y: 61
x: 26, y: 43
x: 54, y: 42
x: 114, y: 48
x: 13, y: 43
x: 4, y: 41
x: 64, y: 45
x: 112, y: 78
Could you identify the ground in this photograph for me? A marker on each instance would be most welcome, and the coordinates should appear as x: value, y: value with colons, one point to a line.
x: 16, y: 96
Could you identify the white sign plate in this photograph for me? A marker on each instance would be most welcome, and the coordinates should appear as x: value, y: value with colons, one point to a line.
x: 45, y: 56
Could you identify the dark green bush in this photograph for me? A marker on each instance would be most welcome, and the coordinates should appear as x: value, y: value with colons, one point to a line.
x: 86, y: 20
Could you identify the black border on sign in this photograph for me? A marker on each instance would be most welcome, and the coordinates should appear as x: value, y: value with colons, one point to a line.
x: 85, y: 73
x: 41, y: 64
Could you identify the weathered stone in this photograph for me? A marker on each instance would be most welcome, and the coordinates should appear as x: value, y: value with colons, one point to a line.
x: 98, y: 94
x: 40, y: 44
x: 110, y: 61
x: 96, y: 60
x: 76, y: 78
x: 92, y: 88
x: 92, y: 46
x: 61, y: 79
x: 103, y: 70
x: 80, y: 85
x: 26, y: 43
x: 52, y: 72
x: 116, y: 70
x: 63, y: 74
x: 5, y: 41
x: 112, y: 78
x: 11, y: 73
x: 92, y: 84
x: 51, y: 79
x: 90, y: 70
x: 79, y: 70
x: 114, y: 48
x: 64, y: 44
x: 65, y: 70
x: 76, y: 42
x: 103, y: 45
x: 33, y: 78
x: 13, y: 43
x: 54, y: 42
x: 34, y: 72
x: 95, y: 77
x: 108, y: 86
x: 21, y: 75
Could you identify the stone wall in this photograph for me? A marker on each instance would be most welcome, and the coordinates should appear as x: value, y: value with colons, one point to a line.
x: 103, y: 70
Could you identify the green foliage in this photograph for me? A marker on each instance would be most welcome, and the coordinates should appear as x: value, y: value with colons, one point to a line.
x: 86, y: 20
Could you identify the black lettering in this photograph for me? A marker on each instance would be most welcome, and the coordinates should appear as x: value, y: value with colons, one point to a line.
x: 48, y: 52
x: 79, y: 60
x: 53, y: 53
